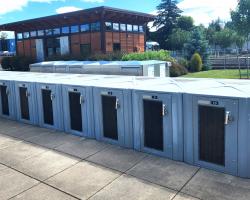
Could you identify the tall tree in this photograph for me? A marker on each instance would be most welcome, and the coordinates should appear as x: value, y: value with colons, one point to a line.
x: 166, y: 20
x: 178, y: 38
x: 185, y: 23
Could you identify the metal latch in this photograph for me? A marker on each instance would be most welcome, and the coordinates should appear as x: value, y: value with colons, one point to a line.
x: 27, y: 94
x: 117, y: 104
x: 228, y: 117
x: 81, y: 99
x: 164, y: 110
x: 52, y: 97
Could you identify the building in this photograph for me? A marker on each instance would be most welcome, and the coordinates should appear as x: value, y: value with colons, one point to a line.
x: 7, y: 45
x: 80, y: 33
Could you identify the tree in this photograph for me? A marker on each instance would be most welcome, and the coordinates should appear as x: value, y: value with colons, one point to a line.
x: 185, y: 23
x: 225, y: 38
x: 166, y: 20
x: 241, y: 18
x: 178, y: 38
x: 3, y: 35
x: 198, y: 44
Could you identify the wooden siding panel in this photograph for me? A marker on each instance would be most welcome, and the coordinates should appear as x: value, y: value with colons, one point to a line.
x: 20, y: 49
x: 109, y: 41
x: 27, y: 49
x: 95, y: 42
x: 130, y: 43
x: 136, y: 42
x: 141, y: 42
x: 116, y: 37
x: 85, y: 38
x: 75, y: 44
x: 123, y: 42
x: 33, y: 48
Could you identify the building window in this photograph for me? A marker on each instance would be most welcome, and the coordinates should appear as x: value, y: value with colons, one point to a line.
x: 53, y: 46
x: 40, y: 33
x: 95, y: 26
x: 141, y: 29
x: 85, y: 49
x: 116, y: 27
x: 135, y: 28
x: 108, y: 26
x: 129, y: 28
x: 65, y: 30
x: 116, y: 47
x: 123, y: 27
x: 26, y: 35
x: 19, y: 36
x: 56, y: 31
x: 74, y: 29
x: 33, y: 34
x: 85, y: 28
x: 48, y: 32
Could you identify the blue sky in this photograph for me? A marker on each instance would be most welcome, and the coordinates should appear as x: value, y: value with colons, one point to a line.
x: 203, y: 11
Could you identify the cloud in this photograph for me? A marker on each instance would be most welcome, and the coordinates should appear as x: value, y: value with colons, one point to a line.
x: 67, y: 9
x: 15, y: 5
x: 94, y: 1
x: 204, y: 11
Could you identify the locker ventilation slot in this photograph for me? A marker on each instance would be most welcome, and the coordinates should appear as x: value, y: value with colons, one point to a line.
x: 109, y: 113
x: 47, y: 107
x: 4, y: 100
x: 24, y: 103
x: 75, y: 111
x: 153, y: 124
x: 212, y: 134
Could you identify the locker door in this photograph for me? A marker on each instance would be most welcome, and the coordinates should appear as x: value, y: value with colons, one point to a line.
x: 153, y: 124
x: 24, y: 103
x: 75, y: 109
x: 109, y: 116
x: 4, y: 100
x: 47, y: 106
x: 216, y: 134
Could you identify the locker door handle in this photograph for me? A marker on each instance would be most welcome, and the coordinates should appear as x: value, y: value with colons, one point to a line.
x: 81, y: 99
x: 117, y: 104
x: 228, y: 117
x: 27, y: 94
x: 164, y: 110
x: 52, y: 97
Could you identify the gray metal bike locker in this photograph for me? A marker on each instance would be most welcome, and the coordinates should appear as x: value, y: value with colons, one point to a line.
x: 7, y: 100
x: 157, y: 123
x: 113, y: 116
x: 211, y: 132
x: 49, y: 101
x: 78, y: 110
x: 26, y: 102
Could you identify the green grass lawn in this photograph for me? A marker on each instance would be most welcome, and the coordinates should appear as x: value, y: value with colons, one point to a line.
x: 229, y: 73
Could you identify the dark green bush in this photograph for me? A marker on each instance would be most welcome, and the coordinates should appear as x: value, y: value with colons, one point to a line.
x: 196, y: 63
x: 17, y: 63
x: 149, y: 55
x: 184, y: 63
x: 177, y: 70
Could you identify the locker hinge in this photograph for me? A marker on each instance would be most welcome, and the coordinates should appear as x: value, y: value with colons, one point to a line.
x: 164, y: 110
x: 117, y: 104
x: 52, y: 97
x: 81, y: 99
x: 228, y: 117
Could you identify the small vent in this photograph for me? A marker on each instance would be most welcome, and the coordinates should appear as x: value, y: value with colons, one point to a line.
x: 4, y: 100
x: 75, y: 111
x: 212, y: 134
x: 153, y: 124
x: 47, y: 107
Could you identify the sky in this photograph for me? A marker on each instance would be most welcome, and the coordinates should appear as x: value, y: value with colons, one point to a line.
x: 203, y: 11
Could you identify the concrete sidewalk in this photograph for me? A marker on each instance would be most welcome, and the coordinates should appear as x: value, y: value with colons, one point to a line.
x: 37, y: 163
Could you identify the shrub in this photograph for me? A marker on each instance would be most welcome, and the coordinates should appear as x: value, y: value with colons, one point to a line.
x: 177, y: 70
x: 17, y: 63
x: 196, y: 63
x: 184, y: 63
x: 113, y: 56
x: 149, y: 55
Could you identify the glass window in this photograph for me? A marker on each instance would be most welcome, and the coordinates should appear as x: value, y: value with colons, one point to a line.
x: 135, y: 28
x: 129, y: 27
x: 123, y: 27
x: 95, y: 26
x: 19, y: 36
x: 116, y: 27
x: 141, y: 29
x: 65, y: 30
x: 33, y: 34
x: 48, y: 32
x: 85, y: 49
x: 108, y: 26
x: 116, y: 47
x: 26, y: 35
x: 56, y: 31
x: 40, y: 33
x: 84, y: 27
x: 74, y: 29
